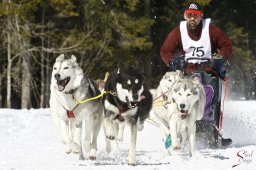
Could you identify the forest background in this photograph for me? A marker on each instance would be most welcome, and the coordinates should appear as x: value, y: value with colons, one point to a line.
x: 102, y: 33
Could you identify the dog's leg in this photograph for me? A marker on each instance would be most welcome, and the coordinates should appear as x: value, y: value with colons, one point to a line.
x: 132, y: 149
x: 96, y: 123
x: 77, y: 138
x: 191, y: 137
x: 87, y: 138
x: 173, y: 131
x: 120, y: 131
x: 72, y: 146
x: 108, y: 142
x: 108, y: 124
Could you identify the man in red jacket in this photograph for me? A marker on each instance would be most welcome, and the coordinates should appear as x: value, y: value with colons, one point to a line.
x: 197, y: 40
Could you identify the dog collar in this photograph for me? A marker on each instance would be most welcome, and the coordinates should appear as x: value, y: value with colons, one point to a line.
x: 72, y: 91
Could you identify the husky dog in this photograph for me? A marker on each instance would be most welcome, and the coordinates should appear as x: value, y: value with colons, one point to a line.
x: 68, y: 85
x: 188, y: 94
x: 128, y: 101
x: 160, y: 101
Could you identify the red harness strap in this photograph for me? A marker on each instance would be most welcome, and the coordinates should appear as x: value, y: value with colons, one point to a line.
x: 70, y: 114
x: 160, y: 95
x: 222, y: 110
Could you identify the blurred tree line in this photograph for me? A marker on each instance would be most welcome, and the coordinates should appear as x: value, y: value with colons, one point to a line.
x: 101, y: 34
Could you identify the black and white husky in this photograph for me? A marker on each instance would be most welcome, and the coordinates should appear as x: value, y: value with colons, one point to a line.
x: 127, y: 100
x: 69, y: 84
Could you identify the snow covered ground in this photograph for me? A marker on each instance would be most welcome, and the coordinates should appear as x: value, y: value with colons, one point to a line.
x: 29, y: 141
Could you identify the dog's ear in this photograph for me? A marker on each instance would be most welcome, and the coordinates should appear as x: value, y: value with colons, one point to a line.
x: 118, y: 70
x: 60, y: 58
x: 73, y: 58
x: 166, y: 75
x: 179, y: 73
x: 195, y: 90
x: 119, y: 67
x: 196, y: 81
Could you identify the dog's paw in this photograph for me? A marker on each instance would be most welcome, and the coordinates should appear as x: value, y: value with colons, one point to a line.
x: 68, y: 151
x: 110, y: 137
x: 76, y: 153
x: 131, y: 163
x: 92, y: 154
x: 176, y: 148
x: 92, y: 158
x: 75, y: 147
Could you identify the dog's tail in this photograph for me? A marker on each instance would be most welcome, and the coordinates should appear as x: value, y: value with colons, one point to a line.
x: 106, y: 77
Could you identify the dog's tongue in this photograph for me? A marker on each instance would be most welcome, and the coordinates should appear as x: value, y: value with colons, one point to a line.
x: 61, y: 84
x: 184, y: 114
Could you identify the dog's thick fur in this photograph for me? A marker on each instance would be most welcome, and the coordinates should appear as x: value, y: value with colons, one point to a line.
x: 160, y: 102
x: 189, y: 98
x: 129, y: 102
x: 68, y: 83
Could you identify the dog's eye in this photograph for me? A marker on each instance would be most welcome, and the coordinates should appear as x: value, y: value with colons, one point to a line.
x: 54, y: 68
x: 170, y: 80
x: 65, y: 68
x: 188, y: 94
x: 179, y: 94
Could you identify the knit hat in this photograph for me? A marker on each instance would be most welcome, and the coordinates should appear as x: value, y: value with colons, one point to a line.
x: 193, y: 8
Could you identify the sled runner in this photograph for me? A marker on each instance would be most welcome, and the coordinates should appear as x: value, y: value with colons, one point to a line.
x: 210, y: 125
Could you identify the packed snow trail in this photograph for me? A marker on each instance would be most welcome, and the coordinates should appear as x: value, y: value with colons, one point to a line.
x: 29, y: 141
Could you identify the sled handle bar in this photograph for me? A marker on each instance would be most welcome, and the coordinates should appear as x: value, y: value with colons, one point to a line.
x: 196, y: 58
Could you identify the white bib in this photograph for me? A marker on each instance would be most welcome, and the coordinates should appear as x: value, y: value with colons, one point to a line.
x: 196, y: 49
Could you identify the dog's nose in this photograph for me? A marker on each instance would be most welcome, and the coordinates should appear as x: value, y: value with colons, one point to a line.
x: 182, y: 106
x: 135, y: 96
x: 57, y: 76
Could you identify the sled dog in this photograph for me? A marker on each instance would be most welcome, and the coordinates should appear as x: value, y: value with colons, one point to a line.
x: 129, y: 101
x: 160, y: 102
x: 189, y: 97
x: 68, y: 85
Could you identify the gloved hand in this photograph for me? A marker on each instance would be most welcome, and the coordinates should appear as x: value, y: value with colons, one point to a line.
x: 220, y: 64
x: 178, y: 63
x: 217, y: 56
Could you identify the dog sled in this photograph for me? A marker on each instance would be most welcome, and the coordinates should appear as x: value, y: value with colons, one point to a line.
x: 210, y: 125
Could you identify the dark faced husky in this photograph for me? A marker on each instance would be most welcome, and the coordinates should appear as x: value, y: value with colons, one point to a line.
x: 68, y: 85
x: 127, y: 101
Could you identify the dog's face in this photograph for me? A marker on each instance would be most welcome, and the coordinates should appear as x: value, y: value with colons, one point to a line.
x: 169, y: 79
x: 185, y: 93
x: 129, y: 85
x: 66, y: 74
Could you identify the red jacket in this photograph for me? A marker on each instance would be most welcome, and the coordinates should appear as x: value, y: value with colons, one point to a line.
x: 220, y: 43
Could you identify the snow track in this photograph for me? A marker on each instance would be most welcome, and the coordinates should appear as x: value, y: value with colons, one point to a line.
x: 29, y: 141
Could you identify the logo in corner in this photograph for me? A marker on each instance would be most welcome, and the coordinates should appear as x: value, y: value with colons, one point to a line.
x: 244, y: 157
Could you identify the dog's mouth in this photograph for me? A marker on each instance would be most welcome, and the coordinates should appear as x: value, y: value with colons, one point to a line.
x: 184, y: 114
x: 119, y: 117
x: 133, y: 104
x: 62, y: 83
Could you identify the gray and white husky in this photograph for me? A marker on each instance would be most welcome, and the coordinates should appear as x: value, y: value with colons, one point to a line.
x: 128, y: 101
x: 68, y: 85
x: 160, y: 101
x: 189, y: 97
